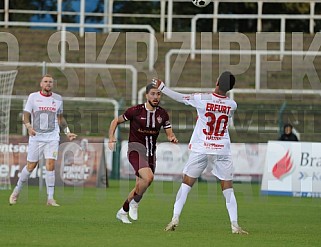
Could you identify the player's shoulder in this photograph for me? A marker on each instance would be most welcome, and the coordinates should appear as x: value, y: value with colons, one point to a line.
x: 161, y: 110
x: 57, y: 96
x: 136, y: 108
x: 34, y: 94
x: 231, y: 102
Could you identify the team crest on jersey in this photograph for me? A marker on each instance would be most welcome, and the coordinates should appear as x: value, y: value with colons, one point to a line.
x: 54, y: 154
x: 159, y: 119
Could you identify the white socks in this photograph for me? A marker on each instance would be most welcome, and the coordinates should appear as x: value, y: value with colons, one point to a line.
x: 181, y: 199
x: 24, y: 176
x: 231, y: 204
x: 50, y: 183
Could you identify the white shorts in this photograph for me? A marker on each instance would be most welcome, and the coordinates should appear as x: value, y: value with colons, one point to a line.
x: 37, y: 149
x: 221, y: 165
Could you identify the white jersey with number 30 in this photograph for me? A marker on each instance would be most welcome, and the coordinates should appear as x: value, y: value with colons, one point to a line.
x: 44, y: 110
x: 214, y: 113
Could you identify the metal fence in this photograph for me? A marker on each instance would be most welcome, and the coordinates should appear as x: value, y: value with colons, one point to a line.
x: 165, y: 15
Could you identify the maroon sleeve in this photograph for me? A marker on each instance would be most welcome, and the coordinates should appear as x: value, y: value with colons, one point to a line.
x: 167, y: 123
x: 129, y: 113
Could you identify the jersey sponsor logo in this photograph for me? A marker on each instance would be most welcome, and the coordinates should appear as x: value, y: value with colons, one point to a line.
x: 213, y: 145
x: 47, y: 108
x: 151, y: 132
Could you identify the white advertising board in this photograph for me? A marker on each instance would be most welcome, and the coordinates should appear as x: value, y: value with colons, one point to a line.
x: 292, y: 169
x: 248, y: 161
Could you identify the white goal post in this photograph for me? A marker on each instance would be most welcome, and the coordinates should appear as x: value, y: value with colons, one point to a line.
x: 7, y: 79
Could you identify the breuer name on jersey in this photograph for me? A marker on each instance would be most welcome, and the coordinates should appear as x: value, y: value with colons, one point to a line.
x: 218, y: 108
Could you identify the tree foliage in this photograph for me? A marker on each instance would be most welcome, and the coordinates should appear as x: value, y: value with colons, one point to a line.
x: 180, y: 8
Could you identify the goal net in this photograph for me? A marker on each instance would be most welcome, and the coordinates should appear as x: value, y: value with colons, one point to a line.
x: 6, y: 84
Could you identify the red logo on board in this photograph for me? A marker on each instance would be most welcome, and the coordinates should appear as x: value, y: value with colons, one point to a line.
x: 283, y: 166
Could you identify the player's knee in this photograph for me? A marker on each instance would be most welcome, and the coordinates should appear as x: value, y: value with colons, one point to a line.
x: 150, y: 179
x: 31, y: 166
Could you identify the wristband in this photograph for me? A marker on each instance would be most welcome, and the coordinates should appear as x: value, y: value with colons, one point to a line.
x: 161, y: 86
x: 28, y: 125
x: 67, y: 130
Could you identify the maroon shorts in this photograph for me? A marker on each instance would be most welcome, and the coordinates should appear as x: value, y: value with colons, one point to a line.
x: 138, y: 159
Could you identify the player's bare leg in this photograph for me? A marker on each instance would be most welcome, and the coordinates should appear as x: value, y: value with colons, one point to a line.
x: 181, y: 197
x: 142, y: 184
x: 231, y: 205
x: 131, y: 204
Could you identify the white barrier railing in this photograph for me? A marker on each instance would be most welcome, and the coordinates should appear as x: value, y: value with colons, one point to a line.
x: 131, y: 68
x: 259, y: 14
x: 63, y: 26
x: 87, y: 99
x: 108, y: 5
x: 256, y: 53
x: 232, y: 93
x: 282, y: 19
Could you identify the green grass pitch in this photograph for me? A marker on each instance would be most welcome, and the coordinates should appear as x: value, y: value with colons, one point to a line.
x: 87, y: 218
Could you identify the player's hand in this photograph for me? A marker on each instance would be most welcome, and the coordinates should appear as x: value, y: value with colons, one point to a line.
x: 158, y: 83
x: 71, y: 136
x: 31, y: 131
x: 172, y: 139
x: 112, y: 144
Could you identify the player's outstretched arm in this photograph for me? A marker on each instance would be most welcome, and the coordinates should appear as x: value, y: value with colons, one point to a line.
x: 169, y: 92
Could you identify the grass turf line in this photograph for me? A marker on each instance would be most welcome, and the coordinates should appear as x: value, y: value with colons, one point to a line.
x: 87, y: 218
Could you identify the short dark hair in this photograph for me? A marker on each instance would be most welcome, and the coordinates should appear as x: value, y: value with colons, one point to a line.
x: 288, y: 125
x: 226, y: 81
x: 149, y: 87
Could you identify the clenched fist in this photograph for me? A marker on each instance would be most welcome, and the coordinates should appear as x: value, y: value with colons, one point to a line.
x: 158, y: 83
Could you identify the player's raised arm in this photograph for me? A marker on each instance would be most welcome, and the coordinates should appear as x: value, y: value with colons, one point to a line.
x: 171, y: 93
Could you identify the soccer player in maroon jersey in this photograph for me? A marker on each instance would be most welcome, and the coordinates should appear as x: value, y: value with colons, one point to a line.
x: 146, y: 120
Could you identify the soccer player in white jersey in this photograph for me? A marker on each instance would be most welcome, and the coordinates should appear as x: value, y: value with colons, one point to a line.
x: 42, y: 117
x: 209, y: 144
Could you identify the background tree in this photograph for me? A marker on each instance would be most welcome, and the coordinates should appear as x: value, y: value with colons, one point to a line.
x: 180, y: 8
x: 50, y: 5
x: 18, y: 4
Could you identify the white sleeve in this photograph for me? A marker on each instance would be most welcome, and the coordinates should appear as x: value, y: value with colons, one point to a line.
x: 183, y: 98
x: 187, y: 99
x: 28, y: 106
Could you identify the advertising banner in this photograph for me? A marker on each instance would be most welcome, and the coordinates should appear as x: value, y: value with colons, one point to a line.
x: 292, y: 169
x: 248, y: 161
x: 170, y: 161
x: 79, y: 163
